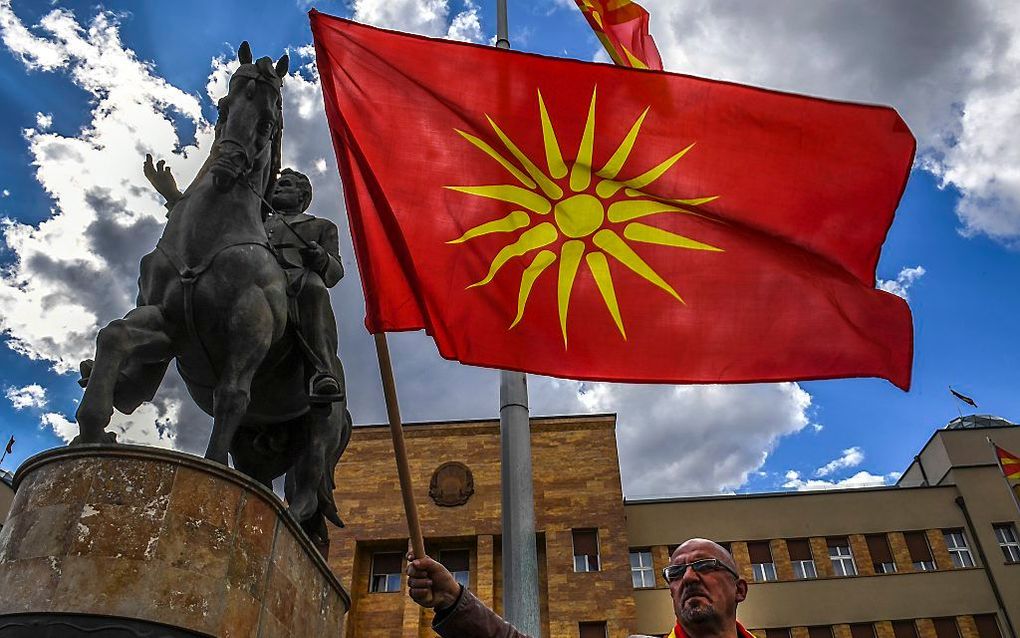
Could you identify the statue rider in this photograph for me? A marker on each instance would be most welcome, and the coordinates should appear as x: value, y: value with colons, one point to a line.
x: 308, y: 249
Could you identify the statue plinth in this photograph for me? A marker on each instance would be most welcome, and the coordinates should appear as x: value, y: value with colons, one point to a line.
x: 148, y: 542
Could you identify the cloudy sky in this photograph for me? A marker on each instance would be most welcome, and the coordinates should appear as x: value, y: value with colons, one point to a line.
x: 88, y: 90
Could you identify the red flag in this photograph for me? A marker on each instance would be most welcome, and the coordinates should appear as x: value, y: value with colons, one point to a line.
x: 622, y: 27
x: 672, y: 229
x: 1008, y: 462
x: 10, y: 445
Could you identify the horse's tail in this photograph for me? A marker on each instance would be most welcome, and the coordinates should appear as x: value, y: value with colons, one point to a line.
x: 327, y: 488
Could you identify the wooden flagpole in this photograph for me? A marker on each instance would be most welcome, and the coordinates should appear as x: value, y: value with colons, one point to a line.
x: 399, y: 449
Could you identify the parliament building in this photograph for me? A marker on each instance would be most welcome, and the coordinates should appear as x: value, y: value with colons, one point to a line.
x: 935, y: 556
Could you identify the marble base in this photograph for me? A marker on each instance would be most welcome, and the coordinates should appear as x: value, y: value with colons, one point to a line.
x: 162, y: 539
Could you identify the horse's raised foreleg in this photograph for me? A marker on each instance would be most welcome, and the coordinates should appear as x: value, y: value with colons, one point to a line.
x: 249, y: 335
x: 141, y: 336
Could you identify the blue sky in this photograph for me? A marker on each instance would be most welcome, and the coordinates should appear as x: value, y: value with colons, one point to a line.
x: 88, y: 90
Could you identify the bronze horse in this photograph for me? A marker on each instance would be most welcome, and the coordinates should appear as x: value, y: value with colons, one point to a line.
x: 213, y: 297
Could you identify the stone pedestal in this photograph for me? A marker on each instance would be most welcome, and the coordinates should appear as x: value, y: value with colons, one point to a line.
x: 137, y: 541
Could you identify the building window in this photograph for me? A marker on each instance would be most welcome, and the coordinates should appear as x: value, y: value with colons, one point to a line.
x: 592, y: 629
x: 920, y: 552
x: 841, y: 556
x: 862, y: 630
x: 458, y: 561
x: 762, y: 565
x: 881, y: 556
x: 904, y: 629
x: 800, y: 557
x: 641, y: 572
x: 956, y: 543
x: 586, y: 550
x: 386, y: 570
x: 824, y: 631
x: 945, y: 628
x: 1005, y: 533
x: 987, y: 626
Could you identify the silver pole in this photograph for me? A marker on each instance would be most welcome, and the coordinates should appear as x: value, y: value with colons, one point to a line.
x: 520, y: 557
x: 502, y: 30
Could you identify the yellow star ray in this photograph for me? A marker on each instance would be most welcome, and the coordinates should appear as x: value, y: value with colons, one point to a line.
x: 627, y: 210
x: 652, y: 235
x: 613, y: 244
x: 580, y: 173
x: 697, y: 201
x: 509, y: 194
x: 542, y: 260
x: 635, y: 61
x: 494, y: 154
x: 608, y: 188
x: 514, y: 221
x: 553, y: 157
x: 548, y: 186
x: 619, y: 157
x: 571, y: 254
x: 537, y: 237
x: 598, y: 265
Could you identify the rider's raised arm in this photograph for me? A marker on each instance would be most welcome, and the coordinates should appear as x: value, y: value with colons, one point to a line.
x: 162, y: 180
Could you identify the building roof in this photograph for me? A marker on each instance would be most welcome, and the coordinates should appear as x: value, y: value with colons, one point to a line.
x: 7, y: 478
x: 974, y: 421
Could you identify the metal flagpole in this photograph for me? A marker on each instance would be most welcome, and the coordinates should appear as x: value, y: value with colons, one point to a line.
x: 520, y: 556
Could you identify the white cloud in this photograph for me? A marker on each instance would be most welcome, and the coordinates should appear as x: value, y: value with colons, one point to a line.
x: 860, y: 479
x: 697, y: 439
x: 904, y: 280
x: 425, y: 17
x: 852, y: 457
x: 60, y: 425
x: 29, y: 396
x: 952, y: 74
x: 43, y: 121
x: 5, y: 193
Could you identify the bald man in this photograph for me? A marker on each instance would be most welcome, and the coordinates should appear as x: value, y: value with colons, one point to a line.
x: 704, y: 583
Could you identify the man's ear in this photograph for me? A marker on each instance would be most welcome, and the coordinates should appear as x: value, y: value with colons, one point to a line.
x: 741, y: 590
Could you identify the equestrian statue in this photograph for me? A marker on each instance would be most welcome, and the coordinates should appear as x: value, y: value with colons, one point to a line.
x: 236, y: 291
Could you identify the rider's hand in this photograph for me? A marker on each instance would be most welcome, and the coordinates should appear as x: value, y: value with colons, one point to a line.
x: 161, y: 179
x: 430, y: 584
x: 314, y: 256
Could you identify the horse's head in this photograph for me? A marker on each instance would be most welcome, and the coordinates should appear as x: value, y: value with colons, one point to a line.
x: 250, y: 119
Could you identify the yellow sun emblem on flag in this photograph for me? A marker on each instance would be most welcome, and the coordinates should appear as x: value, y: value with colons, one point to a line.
x: 580, y: 209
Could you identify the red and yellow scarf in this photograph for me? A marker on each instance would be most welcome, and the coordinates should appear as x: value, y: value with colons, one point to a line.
x: 678, y: 632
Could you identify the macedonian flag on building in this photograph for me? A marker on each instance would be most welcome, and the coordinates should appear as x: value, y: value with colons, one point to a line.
x: 594, y: 222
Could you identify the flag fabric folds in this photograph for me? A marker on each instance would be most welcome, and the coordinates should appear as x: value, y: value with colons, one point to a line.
x: 622, y: 27
x: 585, y: 221
x: 10, y: 446
x: 1008, y: 462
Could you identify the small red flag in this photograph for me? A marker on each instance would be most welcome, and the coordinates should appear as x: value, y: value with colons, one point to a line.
x: 1009, y: 462
x: 583, y: 221
x: 622, y: 27
x: 10, y: 445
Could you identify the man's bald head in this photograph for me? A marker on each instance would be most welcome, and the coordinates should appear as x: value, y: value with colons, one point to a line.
x: 706, y: 601
x: 712, y: 547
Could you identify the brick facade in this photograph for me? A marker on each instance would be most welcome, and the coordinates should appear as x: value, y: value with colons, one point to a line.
x: 576, y: 486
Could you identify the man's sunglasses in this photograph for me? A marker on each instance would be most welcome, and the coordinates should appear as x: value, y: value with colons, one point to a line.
x: 702, y: 566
